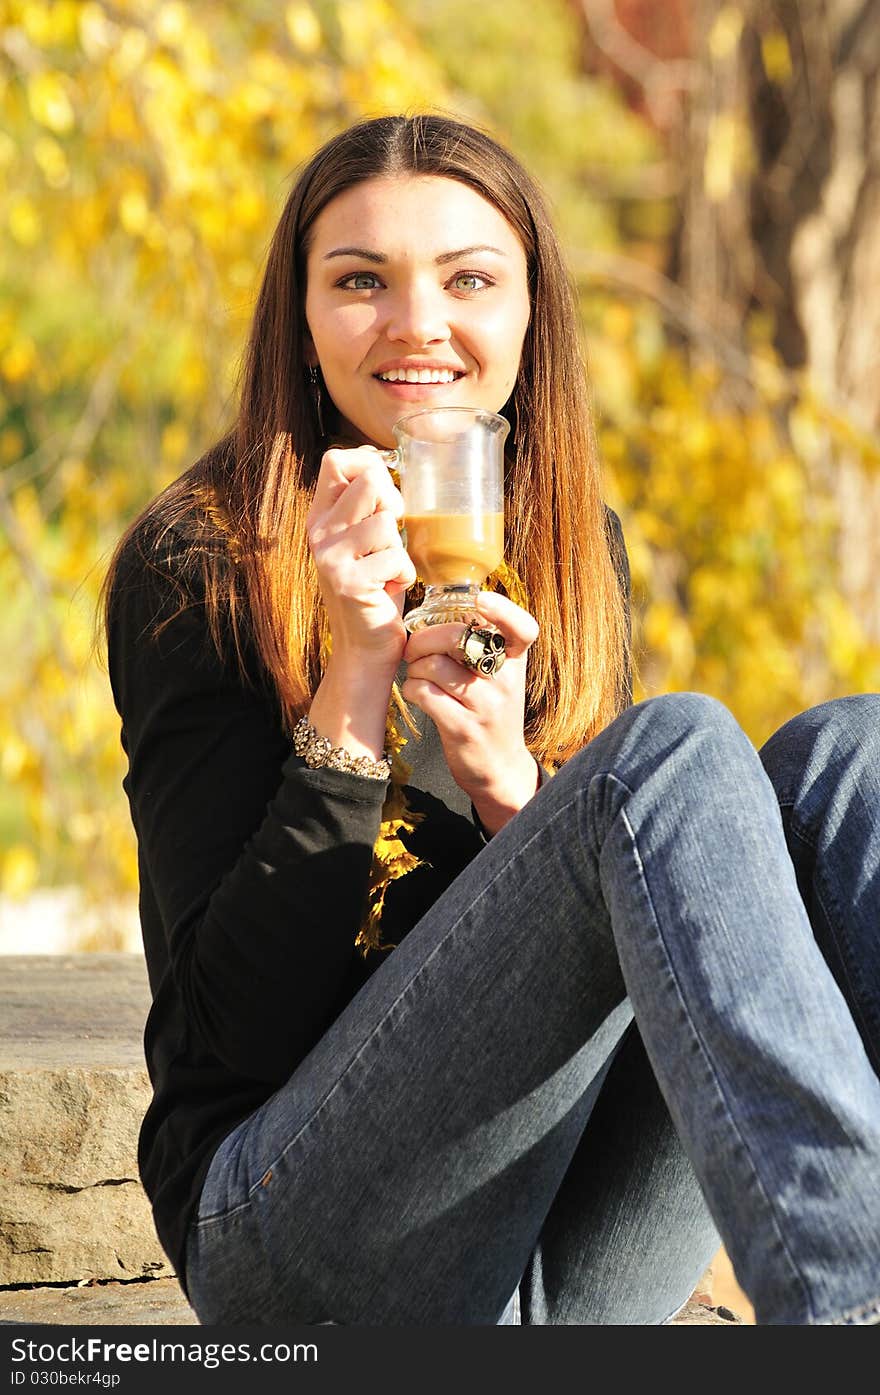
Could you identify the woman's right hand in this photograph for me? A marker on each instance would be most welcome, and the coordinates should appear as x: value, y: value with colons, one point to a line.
x: 363, y: 567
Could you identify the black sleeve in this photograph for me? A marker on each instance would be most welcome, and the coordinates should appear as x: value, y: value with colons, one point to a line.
x: 257, y: 865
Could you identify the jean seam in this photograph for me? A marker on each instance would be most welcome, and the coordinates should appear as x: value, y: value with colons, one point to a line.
x: 704, y: 1052
x: 202, y: 1222
x: 851, y: 1316
x: 407, y: 989
x: 857, y: 990
x: 227, y: 1212
x: 797, y: 827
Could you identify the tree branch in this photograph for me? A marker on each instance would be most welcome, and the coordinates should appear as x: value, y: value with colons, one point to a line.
x: 627, y: 274
x: 660, y: 79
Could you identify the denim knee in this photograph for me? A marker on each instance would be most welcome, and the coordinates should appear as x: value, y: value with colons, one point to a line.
x: 831, y: 735
x: 673, y: 717
x: 688, y: 711
x: 663, y: 738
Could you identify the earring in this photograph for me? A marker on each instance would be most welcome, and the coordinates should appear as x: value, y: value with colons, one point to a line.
x: 315, y: 380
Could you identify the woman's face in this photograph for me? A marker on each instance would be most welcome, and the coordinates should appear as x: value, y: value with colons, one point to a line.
x: 417, y: 296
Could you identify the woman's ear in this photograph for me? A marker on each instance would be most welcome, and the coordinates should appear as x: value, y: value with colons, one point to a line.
x: 309, y: 354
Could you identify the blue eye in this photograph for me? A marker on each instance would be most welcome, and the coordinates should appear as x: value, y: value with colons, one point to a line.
x: 361, y: 281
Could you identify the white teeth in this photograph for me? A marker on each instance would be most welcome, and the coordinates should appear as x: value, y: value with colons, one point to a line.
x: 418, y: 375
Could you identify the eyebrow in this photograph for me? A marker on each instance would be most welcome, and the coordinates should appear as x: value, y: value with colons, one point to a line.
x: 379, y: 257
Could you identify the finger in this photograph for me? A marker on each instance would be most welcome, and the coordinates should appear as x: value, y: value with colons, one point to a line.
x: 372, y: 534
x: 347, y: 575
x: 449, y: 677
x: 338, y: 556
x: 372, y: 492
x: 390, y: 568
x: 437, y: 639
x: 433, y: 639
x: 338, y: 468
x: 518, y: 626
x: 341, y: 469
x: 447, y: 714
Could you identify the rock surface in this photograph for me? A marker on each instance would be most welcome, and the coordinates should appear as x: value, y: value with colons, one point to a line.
x: 695, y: 1314
x: 160, y: 1301
x: 73, y: 1092
x: 156, y: 1302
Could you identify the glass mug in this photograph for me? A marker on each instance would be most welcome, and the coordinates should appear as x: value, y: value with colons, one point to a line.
x: 450, y: 463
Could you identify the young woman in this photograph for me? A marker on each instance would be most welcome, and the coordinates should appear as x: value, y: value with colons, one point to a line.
x: 406, y: 1032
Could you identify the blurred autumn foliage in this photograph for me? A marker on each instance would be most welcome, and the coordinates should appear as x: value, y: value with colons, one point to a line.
x: 145, y: 153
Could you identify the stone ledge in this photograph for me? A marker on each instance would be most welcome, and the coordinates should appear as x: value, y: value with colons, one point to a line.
x: 73, y: 1091
x: 155, y: 1302
x: 73, y: 1010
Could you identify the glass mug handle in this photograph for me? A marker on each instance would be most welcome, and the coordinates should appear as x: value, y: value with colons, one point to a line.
x: 394, y: 460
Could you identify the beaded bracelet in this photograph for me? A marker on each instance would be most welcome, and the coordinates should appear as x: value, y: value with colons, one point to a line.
x: 318, y: 751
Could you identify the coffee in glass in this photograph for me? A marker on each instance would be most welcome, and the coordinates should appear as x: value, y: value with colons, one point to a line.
x: 450, y: 462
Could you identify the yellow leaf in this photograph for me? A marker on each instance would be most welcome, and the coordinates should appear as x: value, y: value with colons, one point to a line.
x: 776, y: 56
x: 171, y: 23
x: 130, y: 54
x: 49, y: 101
x: 248, y: 208
x: 26, y: 504
x: 52, y: 161
x: 19, y: 360
x: 303, y: 27
x: 64, y: 19
x: 97, y: 34
x: 36, y: 23
x: 192, y: 379
x: 180, y: 243
x: 20, y: 870
x: 121, y: 122
x: 134, y: 212
x: 11, y: 444
x: 242, y: 273
x: 15, y: 758
x: 23, y: 221
x: 175, y: 439
x: 618, y: 320
x: 252, y: 100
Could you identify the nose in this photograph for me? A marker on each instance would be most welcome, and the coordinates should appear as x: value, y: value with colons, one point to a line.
x: 418, y: 316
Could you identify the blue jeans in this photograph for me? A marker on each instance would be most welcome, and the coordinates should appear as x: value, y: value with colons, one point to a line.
x: 479, y: 1137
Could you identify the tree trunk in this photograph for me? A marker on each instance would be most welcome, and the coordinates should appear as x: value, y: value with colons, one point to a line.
x: 816, y: 221
x: 778, y: 139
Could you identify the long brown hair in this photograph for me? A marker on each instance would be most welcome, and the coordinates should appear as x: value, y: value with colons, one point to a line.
x: 239, y: 513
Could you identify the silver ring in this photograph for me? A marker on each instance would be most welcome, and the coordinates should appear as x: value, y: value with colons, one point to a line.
x: 482, y: 650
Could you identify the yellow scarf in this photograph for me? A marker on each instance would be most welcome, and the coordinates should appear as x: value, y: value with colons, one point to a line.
x: 391, y: 859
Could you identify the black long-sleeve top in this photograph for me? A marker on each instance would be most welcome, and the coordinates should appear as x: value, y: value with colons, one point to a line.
x: 253, y: 872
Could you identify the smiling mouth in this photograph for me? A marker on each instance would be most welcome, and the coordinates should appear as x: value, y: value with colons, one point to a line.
x: 419, y: 375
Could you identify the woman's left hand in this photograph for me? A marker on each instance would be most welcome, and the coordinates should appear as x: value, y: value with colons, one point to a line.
x: 480, y: 720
